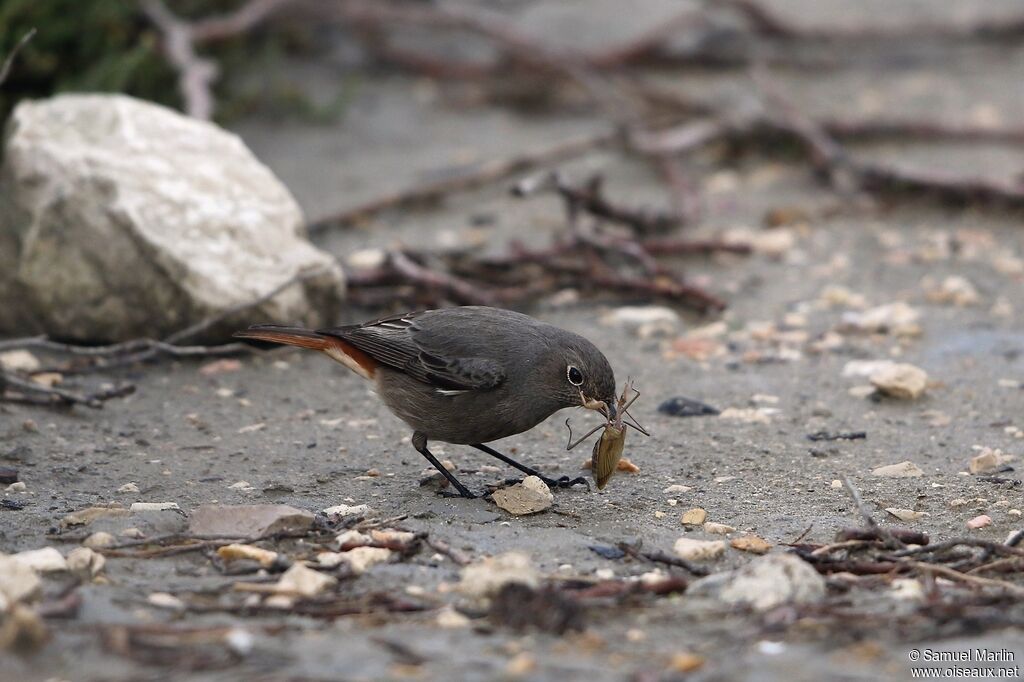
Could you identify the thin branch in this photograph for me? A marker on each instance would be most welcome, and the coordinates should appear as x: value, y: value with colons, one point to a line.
x: 459, y: 289
x: 30, y: 392
x: 245, y: 18
x: 483, y: 174
x: 195, y: 74
x: 970, y: 579
x: 890, y: 540
x: 141, y: 350
x: 5, y: 70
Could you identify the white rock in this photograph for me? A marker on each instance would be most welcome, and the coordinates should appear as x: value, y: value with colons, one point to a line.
x: 865, y: 368
x: 352, y: 537
x: 676, y: 488
x: 718, y: 528
x: 165, y: 600
x: 529, y: 497
x: 862, y: 391
x: 748, y: 415
x: 238, y: 551
x: 907, y: 589
x: 764, y: 583
x: 304, y: 581
x: 906, y: 514
x: 893, y: 318
x: 154, y: 506
x: 18, y: 582
x: 99, y: 540
x: 770, y: 648
x: 128, y: 488
x: 240, y: 641
x: 483, y: 578
x: 330, y: 559
x: 903, y: 381
x: 19, y: 360
x: 342, y: 510
x: 366, y: 259
x: 639, y: 316
x: 699, y: 550
x: 124, y: 219
x: 772, y: 243
x: 954, y: 290
x: 389, y: 535
x: 449, y: 618
x: 362, y: 558
x: 839, y: 296
x: 901, y: 470
x: 16, y: 487
x: 43, y: 560
x: 982, y: 521
x: 694, y: 517
x: 85, y: 562
x: 987, y: 460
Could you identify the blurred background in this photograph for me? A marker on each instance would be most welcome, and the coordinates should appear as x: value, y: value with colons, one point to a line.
x: 348, y: 100
x: 796, y: 224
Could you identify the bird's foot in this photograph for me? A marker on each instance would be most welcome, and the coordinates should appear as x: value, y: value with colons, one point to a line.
x: 561, y: 482
x: 565, y: 482
x: 464, y: 493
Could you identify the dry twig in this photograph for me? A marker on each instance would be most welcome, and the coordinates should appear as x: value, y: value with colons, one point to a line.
x: 483, y: 174
x: 5, y: 70
x: 196, y: 74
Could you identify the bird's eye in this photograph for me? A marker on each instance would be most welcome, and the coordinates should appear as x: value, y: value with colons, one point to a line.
x: 575, y: 376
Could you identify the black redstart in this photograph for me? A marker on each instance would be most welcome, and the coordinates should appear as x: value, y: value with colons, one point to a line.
x: 466, y: 375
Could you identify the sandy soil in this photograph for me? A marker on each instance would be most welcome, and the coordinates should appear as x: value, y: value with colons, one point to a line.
x: 303, y: 431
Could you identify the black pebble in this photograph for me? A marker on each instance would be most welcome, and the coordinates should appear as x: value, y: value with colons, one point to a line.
x: 684, y: 407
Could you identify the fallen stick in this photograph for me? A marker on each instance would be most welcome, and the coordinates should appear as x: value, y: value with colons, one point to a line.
x: 141, y: 350
x: 28, y: 392
x: 884, y: 534
x: 483, y: 174
x: 947, y: 572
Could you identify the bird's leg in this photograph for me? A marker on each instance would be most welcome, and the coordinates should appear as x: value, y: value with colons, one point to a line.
x: 419, y: 441
x: 561, y: 482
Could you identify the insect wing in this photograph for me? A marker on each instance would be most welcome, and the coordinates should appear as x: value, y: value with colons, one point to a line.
x: 607, y: 453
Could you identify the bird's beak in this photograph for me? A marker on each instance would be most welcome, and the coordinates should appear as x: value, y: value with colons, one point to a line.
x: 612, y: 412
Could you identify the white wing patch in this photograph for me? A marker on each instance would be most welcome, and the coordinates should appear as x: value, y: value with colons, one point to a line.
x: 448, y: 391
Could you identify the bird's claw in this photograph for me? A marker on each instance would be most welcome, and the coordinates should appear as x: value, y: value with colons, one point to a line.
x: 464, y: 494
x: 565, y: 482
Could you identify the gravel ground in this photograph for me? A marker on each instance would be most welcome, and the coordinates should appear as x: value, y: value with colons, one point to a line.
x: 305, y: 432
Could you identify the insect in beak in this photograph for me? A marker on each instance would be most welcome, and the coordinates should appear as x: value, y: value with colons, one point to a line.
x: 596, y: 405
x: 608, y: 448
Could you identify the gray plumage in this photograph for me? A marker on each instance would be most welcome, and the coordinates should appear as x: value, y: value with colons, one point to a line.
x: 476, y: 374
x: 465, y: 375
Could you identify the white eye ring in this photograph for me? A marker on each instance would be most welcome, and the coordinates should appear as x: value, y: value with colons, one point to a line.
x: 574, y: 375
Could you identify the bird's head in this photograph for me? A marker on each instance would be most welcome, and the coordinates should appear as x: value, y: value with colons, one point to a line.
x: 585, y: 377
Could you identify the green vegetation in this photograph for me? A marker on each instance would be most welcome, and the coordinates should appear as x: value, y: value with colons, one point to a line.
x: 110, y: 46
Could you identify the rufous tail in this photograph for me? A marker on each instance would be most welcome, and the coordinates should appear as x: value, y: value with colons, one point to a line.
x: 337, y: 349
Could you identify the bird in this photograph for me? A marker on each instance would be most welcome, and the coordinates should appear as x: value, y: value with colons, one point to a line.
x: 465, y: 375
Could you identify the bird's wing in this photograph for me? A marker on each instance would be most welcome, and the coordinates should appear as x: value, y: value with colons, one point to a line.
x: 398, y: 342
